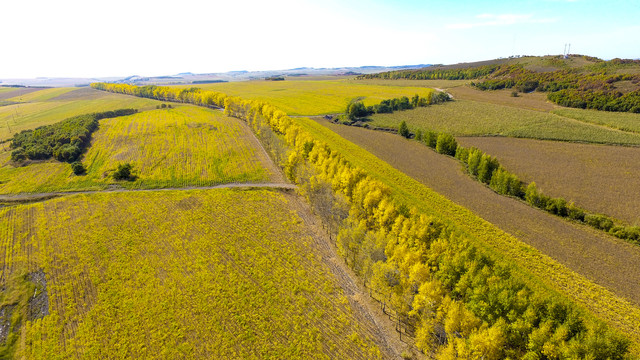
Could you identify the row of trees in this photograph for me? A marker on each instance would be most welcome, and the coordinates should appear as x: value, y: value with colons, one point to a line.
x: 488, y: 170
x: 63, y: 141
x: 463, y: 300
x: 192, y: 95
x: 435, y: 73
x: 357, y: 109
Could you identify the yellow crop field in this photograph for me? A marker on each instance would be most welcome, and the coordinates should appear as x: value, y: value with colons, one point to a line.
x: 314, y: 97
x: 37, y: 109
x: 215, y: 274
x: 184, y: 146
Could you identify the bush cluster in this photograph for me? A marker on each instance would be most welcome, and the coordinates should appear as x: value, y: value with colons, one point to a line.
x: 64, y: 141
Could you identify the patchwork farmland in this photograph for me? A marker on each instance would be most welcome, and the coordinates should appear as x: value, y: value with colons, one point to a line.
x: 343, y: 242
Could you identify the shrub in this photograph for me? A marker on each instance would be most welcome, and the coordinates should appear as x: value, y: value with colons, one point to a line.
x: 575, y: 213
x: 356, y: 110
x: 123, y: 172
x: 78, y: 168
x: 533, y: 197
x: 18, y: 155
x: 599, y: 221
x: 557, y: 206
x: 446, y: 144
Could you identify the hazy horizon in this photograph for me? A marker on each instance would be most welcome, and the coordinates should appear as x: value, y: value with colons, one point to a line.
x: 154, y: 38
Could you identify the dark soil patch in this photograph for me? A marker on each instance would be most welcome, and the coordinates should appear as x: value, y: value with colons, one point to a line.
x: 39, y: 302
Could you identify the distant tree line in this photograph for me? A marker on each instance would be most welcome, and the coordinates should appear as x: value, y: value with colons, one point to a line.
x: 589, y: 88
x: 64, y: 141
x: 435, y: 73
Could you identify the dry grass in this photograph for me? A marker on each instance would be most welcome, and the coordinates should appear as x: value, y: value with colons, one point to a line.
x: 628, y: 122
x: 480, y: 118
x: 602, y: 179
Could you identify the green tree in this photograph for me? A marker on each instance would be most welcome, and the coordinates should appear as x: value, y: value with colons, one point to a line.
x: 78, y: 168
x: 356, y: 110
x: 124, y: 172
x: 446, y: 144
x: 403, y: 130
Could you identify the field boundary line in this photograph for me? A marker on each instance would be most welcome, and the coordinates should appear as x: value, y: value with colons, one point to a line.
x: 27, y: 197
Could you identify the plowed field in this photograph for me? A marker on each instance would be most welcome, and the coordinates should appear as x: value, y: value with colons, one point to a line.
x: 599, y: 178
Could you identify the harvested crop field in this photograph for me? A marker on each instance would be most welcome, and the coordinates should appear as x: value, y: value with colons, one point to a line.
x: 602, y: 179
x: 480, y: 118
x: 10, y: 92
x: 605, y: 260
x: 180, y: 274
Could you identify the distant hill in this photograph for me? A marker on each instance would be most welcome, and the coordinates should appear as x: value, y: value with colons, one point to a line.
x: 577, y: 81
x: 191, y: 78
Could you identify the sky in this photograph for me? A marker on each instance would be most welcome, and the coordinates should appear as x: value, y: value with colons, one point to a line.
x: 79, y: 38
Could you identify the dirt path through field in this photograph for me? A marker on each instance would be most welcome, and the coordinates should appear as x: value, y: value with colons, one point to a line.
x: 20, y: 198
x: 603, y: 259
x: 366, y: 310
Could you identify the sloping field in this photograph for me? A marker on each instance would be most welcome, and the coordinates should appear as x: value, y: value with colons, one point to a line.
x: 177, y: 274
x: 602, y: 179
x: 184, y: 146
x: 48, y: 106
x: 573, y: 246
x: 314, y: 97
x: 41, y: 95
x: 9, y: 92
x: 475, y: 118
x: 459, y: 89
x: 615, y: 120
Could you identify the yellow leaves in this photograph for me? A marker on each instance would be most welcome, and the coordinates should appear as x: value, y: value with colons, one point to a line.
x: 459, y: 321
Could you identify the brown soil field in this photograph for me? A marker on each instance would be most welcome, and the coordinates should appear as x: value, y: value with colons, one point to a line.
x: 601, y: 258
x: 17, y: 92
x: 600, y: 178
